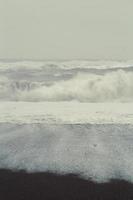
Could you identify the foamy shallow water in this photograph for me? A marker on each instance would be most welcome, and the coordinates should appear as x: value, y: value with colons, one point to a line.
x: 98, y: 152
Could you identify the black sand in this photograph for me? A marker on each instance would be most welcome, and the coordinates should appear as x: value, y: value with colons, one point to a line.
x: 46, y: 186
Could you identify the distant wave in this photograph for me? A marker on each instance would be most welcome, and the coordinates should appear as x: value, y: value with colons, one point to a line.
x: 29, y: 65
x: 116, y: 86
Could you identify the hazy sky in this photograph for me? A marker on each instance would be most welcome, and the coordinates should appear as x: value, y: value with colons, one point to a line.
x: 66, y: 29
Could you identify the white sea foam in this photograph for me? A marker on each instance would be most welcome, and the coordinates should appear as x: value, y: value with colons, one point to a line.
x: 66, y: 113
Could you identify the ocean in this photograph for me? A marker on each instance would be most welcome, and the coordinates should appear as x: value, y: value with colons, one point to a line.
x: 67, y: 118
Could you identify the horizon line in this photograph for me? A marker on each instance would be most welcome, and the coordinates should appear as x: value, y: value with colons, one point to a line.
x: 61, y: 60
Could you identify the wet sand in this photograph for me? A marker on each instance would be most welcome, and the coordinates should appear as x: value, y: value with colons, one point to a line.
x: 47, y: 186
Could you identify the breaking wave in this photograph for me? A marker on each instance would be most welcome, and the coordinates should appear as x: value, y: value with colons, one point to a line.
x: 83, y: 87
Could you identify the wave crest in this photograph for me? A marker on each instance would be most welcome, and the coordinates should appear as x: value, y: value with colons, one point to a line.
x: 108, y: 87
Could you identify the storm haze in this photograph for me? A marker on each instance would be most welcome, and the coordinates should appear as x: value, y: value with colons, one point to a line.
x: 66, y: 29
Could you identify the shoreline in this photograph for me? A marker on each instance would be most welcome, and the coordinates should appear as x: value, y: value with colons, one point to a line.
x: 48, y: 186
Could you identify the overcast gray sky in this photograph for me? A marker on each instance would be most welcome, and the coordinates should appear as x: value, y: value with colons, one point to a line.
x: 66, y: 29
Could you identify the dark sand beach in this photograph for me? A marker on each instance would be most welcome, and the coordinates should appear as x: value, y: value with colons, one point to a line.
x: 46, y: 186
